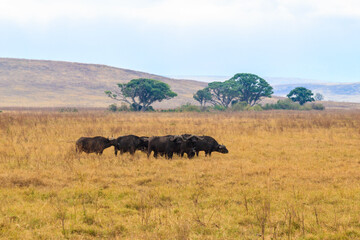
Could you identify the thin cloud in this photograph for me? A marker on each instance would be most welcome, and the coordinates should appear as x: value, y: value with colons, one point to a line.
x: 178, y: 12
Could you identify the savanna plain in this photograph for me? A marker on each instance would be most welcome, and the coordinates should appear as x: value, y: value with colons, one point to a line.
x: 288, y: 175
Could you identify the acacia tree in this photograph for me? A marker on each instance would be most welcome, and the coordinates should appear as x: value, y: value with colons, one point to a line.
x: 319, y: 97
x: 203, y: 96
x: 251, y: 87
x: 244, y: 87
x: 223, y: 93
x: 301, y: 95
x: 141, y: 93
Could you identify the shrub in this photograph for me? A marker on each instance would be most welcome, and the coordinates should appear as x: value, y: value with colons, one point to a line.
x: 189, y: 108
x: 282, y: 104
x: 239, y: 106
x: 255, y: 108
x: 124, y: 108
x: 112, y: 108
x: 219, y: 108
x: 287, y: 104
x: 317, y: 106
x: 243, y: 106
x: 168, y: 110
x: 305, y: 107
x: 121, y: 108
x: 184, y: 108
x: 68, y: 110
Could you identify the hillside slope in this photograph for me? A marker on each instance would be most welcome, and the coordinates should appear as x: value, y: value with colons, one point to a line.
x: 41, y: 83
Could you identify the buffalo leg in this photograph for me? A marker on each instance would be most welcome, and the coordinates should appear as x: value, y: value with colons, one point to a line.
x: 132, y: 151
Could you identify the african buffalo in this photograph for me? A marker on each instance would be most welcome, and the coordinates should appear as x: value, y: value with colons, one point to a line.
x: 170, y: 144
x: 146, y: 143
x: 208, y: 145
x: 94, y: 144
x: 131, y: 143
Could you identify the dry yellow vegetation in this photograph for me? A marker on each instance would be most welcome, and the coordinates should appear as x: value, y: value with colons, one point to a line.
x: 288, y: 175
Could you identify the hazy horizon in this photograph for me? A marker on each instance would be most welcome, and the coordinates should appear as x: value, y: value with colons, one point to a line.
x: 271, y: 80
x: 211, y: 78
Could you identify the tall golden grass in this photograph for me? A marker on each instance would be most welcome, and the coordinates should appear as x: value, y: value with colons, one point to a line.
x: 288, y: 175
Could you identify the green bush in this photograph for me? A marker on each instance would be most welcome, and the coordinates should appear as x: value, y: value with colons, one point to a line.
x: 254, y: 108
x: 112, y: 108
x: 168, y: 110
x: 317, y: 106
x: 285, y: 104
x: 122, y: 108
x: 189, y: 108
x: 186, y: 108
x: 68, y: 110
x: 243, y: 106
x: 239, y: 106
x: 218, y: 108
x: 306, y: 107
x: 288, y: 104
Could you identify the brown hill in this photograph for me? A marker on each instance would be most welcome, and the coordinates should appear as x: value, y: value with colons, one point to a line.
x: 41, y: 83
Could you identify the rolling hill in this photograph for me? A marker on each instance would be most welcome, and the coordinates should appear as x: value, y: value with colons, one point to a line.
x: 42, y: 83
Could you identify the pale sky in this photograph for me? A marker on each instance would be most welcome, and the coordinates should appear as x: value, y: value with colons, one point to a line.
x: 318, y: 39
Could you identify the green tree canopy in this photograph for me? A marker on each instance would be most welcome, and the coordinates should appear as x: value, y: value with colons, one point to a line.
x: 141, y: 93
x: 203, y: 96
x: 223, y: 93
x: 251, y: 87
x: 301, y: 95
x: 242, y: 87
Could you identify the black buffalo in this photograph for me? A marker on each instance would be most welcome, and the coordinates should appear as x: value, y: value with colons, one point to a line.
x: 94, y: 144
x: 208, y: 145
x: 170, y: 144
x: 131, y: 143
x: 144, y: 148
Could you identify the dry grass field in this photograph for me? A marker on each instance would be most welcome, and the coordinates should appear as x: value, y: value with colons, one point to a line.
x: 288, y: 175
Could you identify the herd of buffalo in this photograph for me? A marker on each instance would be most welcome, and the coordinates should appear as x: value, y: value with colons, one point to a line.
x: 164, y: 145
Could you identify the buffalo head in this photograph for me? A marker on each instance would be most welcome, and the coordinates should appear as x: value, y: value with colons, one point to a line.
x: 176, y: 139
x: 192, y: 138
x: 222, y: 149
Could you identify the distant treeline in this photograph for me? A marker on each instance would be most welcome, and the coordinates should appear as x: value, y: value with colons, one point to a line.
x: 242, y: 92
